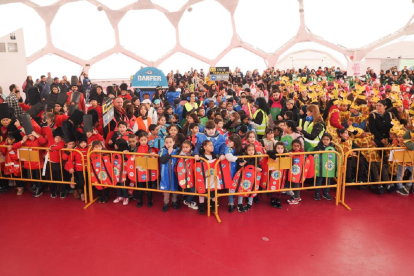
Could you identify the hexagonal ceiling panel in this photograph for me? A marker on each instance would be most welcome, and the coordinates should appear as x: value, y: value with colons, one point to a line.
x: 203, y: 35
x: 44, y: 3
x: 116, y: 66
x: 244, y: 59
x: 369, y: 20
x: 182, y: 62
x: 54, y: 64
x: 116, y: 4
x: 313, y: 46
x: 82, y: 38
x: 259, y: 25
x: 150, y: 42
x: 17, y: 15
x: 170, y: 5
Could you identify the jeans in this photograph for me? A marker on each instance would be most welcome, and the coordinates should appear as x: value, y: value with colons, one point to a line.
x: 400, y: 174
x: 190, y: 198
x: 249, y: 201
x: 121, y: 192
x: 322, y: 181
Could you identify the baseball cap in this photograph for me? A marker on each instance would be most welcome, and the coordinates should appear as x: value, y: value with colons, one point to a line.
x: 146, y: 101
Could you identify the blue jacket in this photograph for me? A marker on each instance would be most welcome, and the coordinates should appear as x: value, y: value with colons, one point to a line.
x: 168, y: 180
x: 219, y: 142
x: 233, y: 165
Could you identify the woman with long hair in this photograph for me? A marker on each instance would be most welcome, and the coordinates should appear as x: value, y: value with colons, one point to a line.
x: 143, y: 121
x: 313, y: 128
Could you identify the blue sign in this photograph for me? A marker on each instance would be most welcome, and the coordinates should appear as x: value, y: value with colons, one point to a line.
x: 149, y: 77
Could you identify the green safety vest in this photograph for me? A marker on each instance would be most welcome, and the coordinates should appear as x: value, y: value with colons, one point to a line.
x: 326, y: 164
x: 311, y: 144
x: 260, y: 130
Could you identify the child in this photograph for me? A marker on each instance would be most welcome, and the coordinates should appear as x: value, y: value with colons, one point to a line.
x: 153, y: 132
x: 146, y: 176
x: 186, y: 150
x: 201, y: 115
x: 219, y: 125
x: 193, y: 135
x: 211, y: 134
x: 94, y: 136
x: 323, y: 174
x: 168, y: 178
x: 277, y: 177
x: 55, y: 160
x: 172, y: 130
x: 269, y: 142
x: 290, y: 130
x: 162, y: 132
x: 121, y: 145
x: 104, y: 192
x: 122, y: 132
x: 251, y: 139
x: 295, y: 174
x: 233, y: 123
x: 249, y: 150
x: 233, y: 149
x: 12, y: 166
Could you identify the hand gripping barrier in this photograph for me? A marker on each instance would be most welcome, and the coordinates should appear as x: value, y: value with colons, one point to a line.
x: 373, y: 166
x: 287, y: 172
x: 33, y: 164
x: 141, y: 172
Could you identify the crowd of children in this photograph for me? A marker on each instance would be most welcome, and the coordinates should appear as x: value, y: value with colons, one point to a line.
x: 188, y: 126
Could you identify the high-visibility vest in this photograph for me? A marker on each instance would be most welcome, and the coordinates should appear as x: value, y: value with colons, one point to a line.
x: 189, y: 107
x: 260, y: 130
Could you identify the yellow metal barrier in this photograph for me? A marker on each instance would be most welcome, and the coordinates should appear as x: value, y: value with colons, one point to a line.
x: 146, y: 162
x: 375, y: 171
x: 36, y: 155
x: 285, y: 162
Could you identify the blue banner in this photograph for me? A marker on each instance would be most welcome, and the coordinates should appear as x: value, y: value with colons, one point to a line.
x: 149, y: 77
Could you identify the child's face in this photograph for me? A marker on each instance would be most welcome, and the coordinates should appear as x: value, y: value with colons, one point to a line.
x: 250, y: 151
x: 296, y: 147
x: 173, y: 131
x: 282, y: 126
x: 170, y: 111
x: 154, y: 132
x: 280, y: 149
x: 246, y: 121
x: 241, y: 134
x: 122, y: 128
x: 169, y: 143
x: 201, y: 112
x: 400, y: 138
x: 9, y: 141
x: 210, y: 131
x: 326, y: 141
x: 186, y: 148
x: 162, y: 121
x: 143, y: 141
x: 345, y: 135
x: 220, y: 125
x: 71, y: 144
x: 173, y: 119
x: 195, y: 130
x: 83, y: 144
x: 57, y: 139
x: 97, y: 147
x: 230, y: 107
x: 276, y: 132
x: 31, y: 137
x: 94, y: 103
x: 190, y: 119
x: 344, y: 107
x: 89, y: 134
x: 230, y: 143
x: 132, y: 142
x: 211, y: 104
x: 209, y: 148
x: 270, y: 135
x: 251, y: 138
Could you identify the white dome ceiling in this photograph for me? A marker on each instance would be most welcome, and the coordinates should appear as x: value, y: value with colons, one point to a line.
x: 243, y: 33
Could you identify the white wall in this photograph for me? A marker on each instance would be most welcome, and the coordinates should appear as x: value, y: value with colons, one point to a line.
x: 13, y: 65
x: 404, y: 49
x: 312, y: 59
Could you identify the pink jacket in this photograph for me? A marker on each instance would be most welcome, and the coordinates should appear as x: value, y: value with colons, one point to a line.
x: 245, y: 107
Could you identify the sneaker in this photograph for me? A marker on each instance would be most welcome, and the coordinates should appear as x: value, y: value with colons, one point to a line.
x: 175, y: 205
x: 193, y: 206
x: 76, y: 194
x: 63, y: 195
x: 317, y: 197
x: 278, y: 205
x: 82, y: 197
x: 33, y: 188
x: 20, y: 191
x: 165, y: 208
x: 38, y: 192
x: 402, y: 191
x: 293, y: 201
x: 231, y: 208
x: 186, y: 203
x: 118, y: 199
x: 149, y: 204
x: 202, y: 208
x: 248, y: 207
x: 240, y: 208
x: 299, y: 199
x: 327, y: 196
x: 139, y: 203
x: 273, y: 202
x: 380, y: 190
x: 53, y: 195
x: 125, y: 202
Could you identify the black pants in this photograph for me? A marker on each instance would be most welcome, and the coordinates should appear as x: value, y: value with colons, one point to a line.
x: 80, y: 180
x: 144, y: 185
x: 103, y: 193
x: 57, y: 176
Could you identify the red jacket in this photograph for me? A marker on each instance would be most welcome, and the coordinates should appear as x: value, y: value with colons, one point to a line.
x: 125, y: 97
x: 54, y: 152
x: 75, y: 159
x: 95, y: 137
x: 59, y: 119
x: 81, y: 101
x: 335, y: 118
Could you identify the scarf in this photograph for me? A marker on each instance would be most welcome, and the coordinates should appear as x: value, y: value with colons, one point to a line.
x: 309, y: 119
x: 121, y: 111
